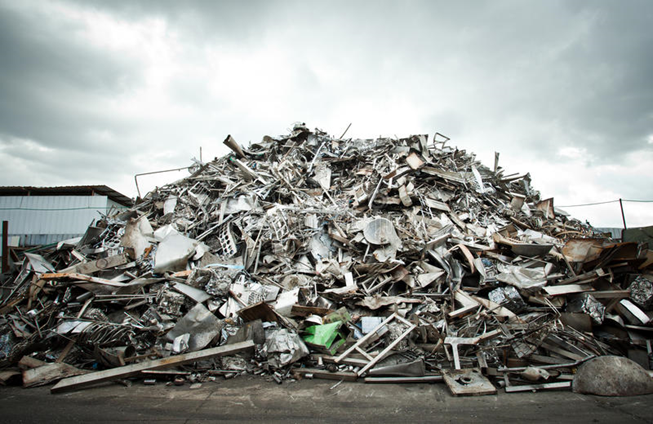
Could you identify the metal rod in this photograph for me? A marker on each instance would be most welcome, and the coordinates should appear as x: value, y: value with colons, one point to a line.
x: 154, y: 172
x: 347, y: 129
x: 623, y: 217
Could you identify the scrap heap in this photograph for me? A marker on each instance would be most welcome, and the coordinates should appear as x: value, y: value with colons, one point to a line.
x: 313, y: 256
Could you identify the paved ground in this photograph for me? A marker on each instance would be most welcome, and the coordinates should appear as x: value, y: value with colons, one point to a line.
x: 248, y: 399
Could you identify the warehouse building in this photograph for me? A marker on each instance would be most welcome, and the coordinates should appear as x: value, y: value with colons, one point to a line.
x: 44, y: 215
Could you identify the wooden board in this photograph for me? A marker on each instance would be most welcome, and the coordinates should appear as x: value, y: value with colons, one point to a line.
x: 49, y: 373
x: 135, y: 369
x: 89, y: 268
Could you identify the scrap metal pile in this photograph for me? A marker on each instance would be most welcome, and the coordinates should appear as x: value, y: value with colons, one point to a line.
x: 311, y: 256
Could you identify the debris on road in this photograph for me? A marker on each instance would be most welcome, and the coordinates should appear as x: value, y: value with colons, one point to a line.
x: 385, y: 260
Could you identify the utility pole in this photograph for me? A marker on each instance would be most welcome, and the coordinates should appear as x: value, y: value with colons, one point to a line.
x: 5, y: 247
x: 623, y: 217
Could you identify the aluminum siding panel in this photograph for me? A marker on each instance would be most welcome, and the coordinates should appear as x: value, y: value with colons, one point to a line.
x: 63, y: 216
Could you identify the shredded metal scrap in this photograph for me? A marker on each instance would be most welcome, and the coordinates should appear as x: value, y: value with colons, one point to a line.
x: 305, y: 230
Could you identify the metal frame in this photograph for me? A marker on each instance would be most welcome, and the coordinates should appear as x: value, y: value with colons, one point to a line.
x: 363, y: 340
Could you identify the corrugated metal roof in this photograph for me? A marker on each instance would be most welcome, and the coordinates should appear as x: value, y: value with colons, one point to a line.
x: 82, y: 190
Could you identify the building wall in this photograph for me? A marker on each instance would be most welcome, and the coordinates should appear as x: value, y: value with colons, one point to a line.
x: 48, y: 219
x: 641, y: 234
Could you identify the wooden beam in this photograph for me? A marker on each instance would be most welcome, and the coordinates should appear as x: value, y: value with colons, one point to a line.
x: 135, y: 369
x: 49, y: 373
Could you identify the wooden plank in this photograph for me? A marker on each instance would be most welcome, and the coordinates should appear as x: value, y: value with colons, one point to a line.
x: 169, y: 372
x: 27, y: 362
x: 49, y: 373
x: 135, y: 369
x: 8, y: 374
x: 99, y: 264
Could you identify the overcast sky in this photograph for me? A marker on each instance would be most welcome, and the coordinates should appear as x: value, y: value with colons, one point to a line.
x: 93, y: 92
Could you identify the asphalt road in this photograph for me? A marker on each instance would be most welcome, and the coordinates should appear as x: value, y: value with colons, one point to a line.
x: 252, y: 399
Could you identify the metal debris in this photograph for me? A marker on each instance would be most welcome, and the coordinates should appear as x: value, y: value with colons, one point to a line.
x: 402, y: 258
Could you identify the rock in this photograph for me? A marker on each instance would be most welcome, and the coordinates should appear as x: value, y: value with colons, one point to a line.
x: 612, y: 376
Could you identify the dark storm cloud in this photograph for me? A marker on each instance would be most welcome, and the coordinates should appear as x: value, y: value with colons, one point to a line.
x: 599, y: 86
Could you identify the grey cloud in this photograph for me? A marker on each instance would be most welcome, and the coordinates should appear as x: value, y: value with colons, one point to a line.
x: 200, y: 21
x: 53, y: 87
x: 523, y: 78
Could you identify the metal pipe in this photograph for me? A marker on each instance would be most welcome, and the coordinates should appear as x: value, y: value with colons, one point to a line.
x: 347, y: 129
x: 153, y: 172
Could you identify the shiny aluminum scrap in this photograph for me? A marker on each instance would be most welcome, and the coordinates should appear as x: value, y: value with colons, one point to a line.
x: 306, y: 229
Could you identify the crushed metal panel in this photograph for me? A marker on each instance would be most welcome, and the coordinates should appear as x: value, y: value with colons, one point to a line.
x: 468, y: 382
x: 256, y: 311
x: 173, y: 253
x: 583, y: 250
x: 200, y: 323
x: 546, y: 207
